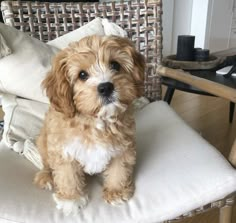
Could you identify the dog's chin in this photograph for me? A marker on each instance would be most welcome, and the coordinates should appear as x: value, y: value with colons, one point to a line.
x: 111, y: 109
x: 108, y: 109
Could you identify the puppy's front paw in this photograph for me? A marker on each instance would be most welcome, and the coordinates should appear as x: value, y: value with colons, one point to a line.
x: 44, y: 179
x: 70, y: 206
x: 117, y: 197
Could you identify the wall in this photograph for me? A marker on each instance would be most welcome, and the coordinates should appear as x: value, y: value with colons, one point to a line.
x: 220, y: 26
x: 201, y: 21
x: 167, y: 23
x: 182, y: 16
x: 232, y: 42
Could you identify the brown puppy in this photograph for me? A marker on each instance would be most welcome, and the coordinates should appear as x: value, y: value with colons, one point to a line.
x: 90, y: 128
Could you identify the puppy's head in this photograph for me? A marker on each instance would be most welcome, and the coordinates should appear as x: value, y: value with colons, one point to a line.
x: 95, y: 74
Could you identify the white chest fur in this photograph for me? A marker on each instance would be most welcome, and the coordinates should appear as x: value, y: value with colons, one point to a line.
x: 94, y: 158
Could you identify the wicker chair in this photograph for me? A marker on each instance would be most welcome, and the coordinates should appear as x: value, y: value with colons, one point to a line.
x: 142, y: 21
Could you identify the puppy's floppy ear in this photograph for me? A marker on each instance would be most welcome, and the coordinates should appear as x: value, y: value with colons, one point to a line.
x: 139, y: 66
x: 139, y: 71
x: 57, y: 86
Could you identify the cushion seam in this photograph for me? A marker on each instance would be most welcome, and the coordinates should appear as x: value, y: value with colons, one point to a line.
x: 11, y: 220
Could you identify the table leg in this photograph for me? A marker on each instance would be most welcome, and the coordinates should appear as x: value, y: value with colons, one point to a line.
x: 169, y: 94
x: 231, y: 111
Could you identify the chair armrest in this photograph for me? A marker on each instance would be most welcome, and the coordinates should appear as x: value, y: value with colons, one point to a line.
x: 201, y: 83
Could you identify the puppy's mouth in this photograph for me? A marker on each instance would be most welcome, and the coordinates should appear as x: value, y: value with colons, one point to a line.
x: 108, y: 100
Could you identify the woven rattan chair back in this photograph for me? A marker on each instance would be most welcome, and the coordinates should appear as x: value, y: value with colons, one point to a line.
x: 140, y: 18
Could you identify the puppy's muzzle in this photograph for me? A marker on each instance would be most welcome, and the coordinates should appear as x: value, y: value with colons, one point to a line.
x: 105, y: 89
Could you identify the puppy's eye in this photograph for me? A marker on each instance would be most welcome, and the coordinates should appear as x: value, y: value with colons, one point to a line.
x: 83, y: 75
x: 115, y: 66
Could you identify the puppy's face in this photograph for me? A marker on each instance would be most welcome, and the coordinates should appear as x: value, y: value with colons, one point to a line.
x: 95, y: 74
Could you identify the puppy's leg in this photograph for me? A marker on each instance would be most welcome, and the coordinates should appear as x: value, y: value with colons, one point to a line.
x: 118, y: 179
x: 43, y: 178
x: 69, y: 180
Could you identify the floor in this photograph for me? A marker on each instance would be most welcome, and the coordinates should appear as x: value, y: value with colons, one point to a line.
x: 209, y: 116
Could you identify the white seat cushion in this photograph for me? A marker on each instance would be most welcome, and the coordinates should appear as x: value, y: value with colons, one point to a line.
x: 177, y: 171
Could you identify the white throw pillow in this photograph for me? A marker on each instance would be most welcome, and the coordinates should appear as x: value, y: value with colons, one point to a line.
x: 21, y: 73
x: 91, y: 28
x: 111, y: 28
x: 97, y: 26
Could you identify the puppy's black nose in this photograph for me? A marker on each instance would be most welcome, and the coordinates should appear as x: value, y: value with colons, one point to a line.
x: 105, y: 89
